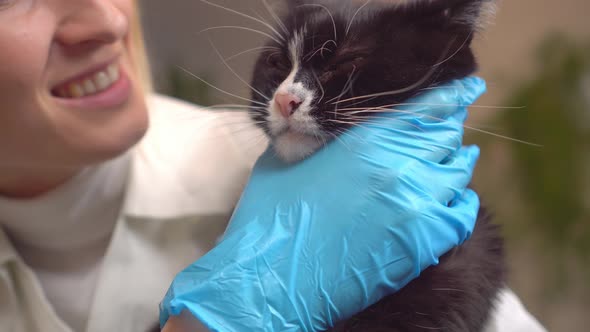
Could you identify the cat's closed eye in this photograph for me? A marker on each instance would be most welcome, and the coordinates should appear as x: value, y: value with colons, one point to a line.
x: 344, y: 63
x: 279, y: 61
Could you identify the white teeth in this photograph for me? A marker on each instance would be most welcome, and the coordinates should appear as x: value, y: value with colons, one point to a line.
x: 89, y: 86
x: 113, y: 72
x: 102, y: 80
x: 76, y: 90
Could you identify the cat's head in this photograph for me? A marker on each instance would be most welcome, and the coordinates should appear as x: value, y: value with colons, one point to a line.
x: 313, y: 81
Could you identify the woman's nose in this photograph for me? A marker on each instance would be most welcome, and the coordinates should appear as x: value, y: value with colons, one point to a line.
x: 90, y: 22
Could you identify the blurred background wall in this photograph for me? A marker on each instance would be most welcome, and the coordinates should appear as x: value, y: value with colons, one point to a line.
x: 536, y: 60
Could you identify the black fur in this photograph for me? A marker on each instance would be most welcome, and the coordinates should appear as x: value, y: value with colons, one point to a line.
x: 456, y: 295
x: 388, y: 47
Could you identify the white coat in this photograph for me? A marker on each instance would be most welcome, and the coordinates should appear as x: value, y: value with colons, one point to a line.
x: 186, y: 176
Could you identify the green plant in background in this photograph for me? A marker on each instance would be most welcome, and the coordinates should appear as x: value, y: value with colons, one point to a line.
x: 555, y: 178
x: 182, y: 86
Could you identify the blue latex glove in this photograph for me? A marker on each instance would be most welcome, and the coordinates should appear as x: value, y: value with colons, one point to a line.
x: 316, y: 242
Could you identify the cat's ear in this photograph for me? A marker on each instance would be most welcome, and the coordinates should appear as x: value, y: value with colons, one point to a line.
x: 471, y: 14
x: 299, y: 3
x: 295, y: 3
x: 475, y: 14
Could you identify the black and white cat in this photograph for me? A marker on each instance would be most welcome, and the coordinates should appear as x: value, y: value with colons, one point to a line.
x: 340, y: 56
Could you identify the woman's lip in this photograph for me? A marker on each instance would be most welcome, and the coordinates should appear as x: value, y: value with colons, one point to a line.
x: 115, y: 95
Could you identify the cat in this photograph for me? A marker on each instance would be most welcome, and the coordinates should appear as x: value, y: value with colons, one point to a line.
x: 327, y: 60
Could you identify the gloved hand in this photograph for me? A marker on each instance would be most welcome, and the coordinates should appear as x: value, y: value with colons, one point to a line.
x: 318, y: 241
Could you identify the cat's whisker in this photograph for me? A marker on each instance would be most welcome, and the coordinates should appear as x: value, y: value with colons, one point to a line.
x: 349, y: 25
x: 319, y: 138
x: 229, y: 126
x: 222, y: 106
x: 219, y: 89
x: 364, y: 120
x: 274, y: 15
x: 270, y: 55
x: 245, y: 124
x: 406, y: 89
x: 351, y: 134
x: 246, y: 16
x: 244, y: 128
x: 361, y: 109
x: 389, y: 110
x: 378, y: 125
x: 329, y: 13
x: 190, y: 116
x: 311, y: 54
x: 315, y: 75
x: 436, y: 87
x: 448, y: 290
x: 427, y: 327
x: 251, y: 50
x: 228, y: 110
x: 261, y: 17
x: 196, y: 122
x: 235, y: 73
x: 222, y: 27
x: 321, y: 49
x: 254, y: 142
x: 325, y: 48
x: 337, y: 137
x: 250, y: 139
x: 502, y: 136
x: 187, y: 116
x: 345, y: 88
x: 393, y: 92
x: 362, y: 101
x: 457, y: 51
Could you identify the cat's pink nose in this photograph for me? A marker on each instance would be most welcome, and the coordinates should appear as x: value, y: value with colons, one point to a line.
x: 287, y: 103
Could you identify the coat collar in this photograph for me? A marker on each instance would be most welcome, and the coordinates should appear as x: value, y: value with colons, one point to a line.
x: 190, y: 162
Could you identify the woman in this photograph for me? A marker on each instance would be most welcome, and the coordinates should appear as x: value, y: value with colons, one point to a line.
x: 98, y: 213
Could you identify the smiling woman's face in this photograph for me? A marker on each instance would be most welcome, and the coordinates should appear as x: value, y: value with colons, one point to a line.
x: 69, y: 90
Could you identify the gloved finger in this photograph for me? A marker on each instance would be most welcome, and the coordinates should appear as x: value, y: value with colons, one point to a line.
x: 466, y: 209
x: 432, y: 142
x: 445, y: 182
x: 455, y: 223
x: 442, y: 101
x: 441, y: 138
x: 473, y: 88
x: 433, y: 119
x: 458, y: 169
x: 438, y: 102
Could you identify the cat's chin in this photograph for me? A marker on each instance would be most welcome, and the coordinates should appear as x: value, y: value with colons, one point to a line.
x: 293, y: 147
